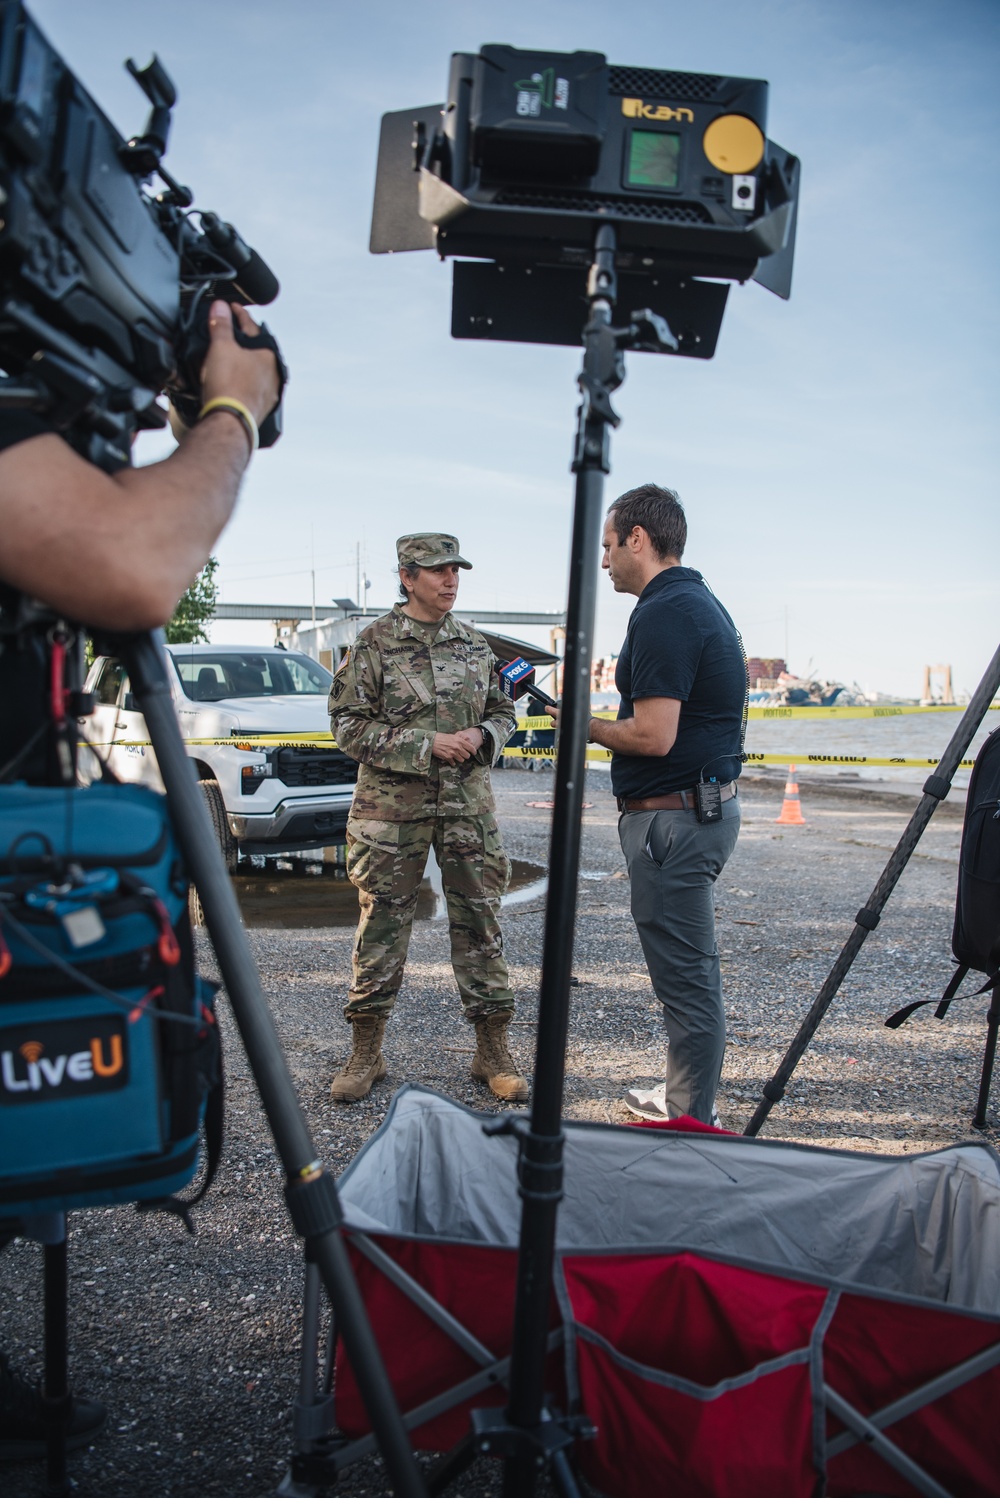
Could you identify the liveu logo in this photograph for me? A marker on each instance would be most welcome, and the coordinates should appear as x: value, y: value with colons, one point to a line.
x: 53, y: 1071
x: 62, y: 1059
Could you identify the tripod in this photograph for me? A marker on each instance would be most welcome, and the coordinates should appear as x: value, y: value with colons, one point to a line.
x: 310, y: 1193
x: 936, y: 787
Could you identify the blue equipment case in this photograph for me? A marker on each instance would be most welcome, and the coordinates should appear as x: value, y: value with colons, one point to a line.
x: 109, y: 1049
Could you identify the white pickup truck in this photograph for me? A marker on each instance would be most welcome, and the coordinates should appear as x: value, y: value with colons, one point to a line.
x: 269, y: 799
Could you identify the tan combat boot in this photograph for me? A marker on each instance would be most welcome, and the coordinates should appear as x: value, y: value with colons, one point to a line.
x: 366, y: 1063
x: 493, y: 1062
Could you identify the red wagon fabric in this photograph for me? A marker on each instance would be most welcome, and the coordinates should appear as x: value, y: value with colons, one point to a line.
x: 736, y: 1317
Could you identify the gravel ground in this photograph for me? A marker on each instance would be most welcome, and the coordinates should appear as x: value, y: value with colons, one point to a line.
x: 192, y: 1342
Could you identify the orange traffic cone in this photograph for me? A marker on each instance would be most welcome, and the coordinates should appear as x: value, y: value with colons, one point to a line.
x: 791, y: 808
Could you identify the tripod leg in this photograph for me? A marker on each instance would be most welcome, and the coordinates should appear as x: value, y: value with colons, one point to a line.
x: 312, y: 1413
x: 992, y: 1025
x: 564, y: 1477
x: 452, y: 1465
x: 55, y: 1386
x: 935, y: 789
x: 310, y: 1192
x: 310, y: 1336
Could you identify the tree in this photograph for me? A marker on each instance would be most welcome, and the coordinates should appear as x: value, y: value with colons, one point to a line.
x: 196, y: 608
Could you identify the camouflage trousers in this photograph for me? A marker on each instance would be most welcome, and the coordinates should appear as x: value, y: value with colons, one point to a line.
x: 385, y: 861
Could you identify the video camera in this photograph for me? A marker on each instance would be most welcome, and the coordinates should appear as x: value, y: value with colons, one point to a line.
x: 534, y: 150
x: 105, y: 285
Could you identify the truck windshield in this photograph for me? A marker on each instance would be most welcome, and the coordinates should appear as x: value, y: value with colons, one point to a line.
x: 209, y: 676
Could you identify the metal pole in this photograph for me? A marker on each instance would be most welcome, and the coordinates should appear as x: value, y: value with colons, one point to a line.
x: 311, y: 1193
x: 541, y: 1159
x: 989, y: 1055
x: 936, y: 787
x: 55, y: 1385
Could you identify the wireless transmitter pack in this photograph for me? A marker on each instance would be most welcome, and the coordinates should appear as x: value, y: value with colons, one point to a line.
x: 708, y: 801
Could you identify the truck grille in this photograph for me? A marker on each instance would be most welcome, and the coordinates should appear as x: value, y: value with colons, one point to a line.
x: 296, y: 766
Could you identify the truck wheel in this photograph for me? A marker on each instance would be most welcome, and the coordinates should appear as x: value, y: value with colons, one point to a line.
x: 212, y: 793
x: 217, y: 812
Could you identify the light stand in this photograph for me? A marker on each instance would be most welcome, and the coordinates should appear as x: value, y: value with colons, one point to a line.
x: 531, y: 1438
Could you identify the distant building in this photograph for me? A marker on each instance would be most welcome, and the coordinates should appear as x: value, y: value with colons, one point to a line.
x: 937, y: 687
x: 763, y: 671
x: 602, y: 673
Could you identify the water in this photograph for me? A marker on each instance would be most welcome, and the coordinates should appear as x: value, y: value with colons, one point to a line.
x: 913, y: 736
x: 917, y: 735
x: 291, y: 894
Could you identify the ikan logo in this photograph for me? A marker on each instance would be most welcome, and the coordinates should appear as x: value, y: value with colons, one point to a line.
x: 635, y: 109
x: 69, y: 1058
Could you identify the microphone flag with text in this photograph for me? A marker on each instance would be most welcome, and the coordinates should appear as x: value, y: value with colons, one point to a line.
x: 517, y: 678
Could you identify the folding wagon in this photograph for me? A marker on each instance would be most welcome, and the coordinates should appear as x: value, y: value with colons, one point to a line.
x: 731, y: 1317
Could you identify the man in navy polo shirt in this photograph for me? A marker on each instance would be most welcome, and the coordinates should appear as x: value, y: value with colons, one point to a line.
x: 682, y: 679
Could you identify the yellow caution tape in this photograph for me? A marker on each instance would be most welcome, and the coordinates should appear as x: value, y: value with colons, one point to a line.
x: 549, y: 752
x: 895, y: 762
x: 771, y: 713
x: 272, y: 740
x: 898, y: 762
x: 254, y: 743
x: 889, y: 711
x: 250, y: 743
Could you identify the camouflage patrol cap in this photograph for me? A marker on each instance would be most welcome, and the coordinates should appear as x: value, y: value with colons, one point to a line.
x: 429, y: 549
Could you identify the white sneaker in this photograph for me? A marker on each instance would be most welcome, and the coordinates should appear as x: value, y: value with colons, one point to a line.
x: 651, y: 1102
x: 647, y: 1102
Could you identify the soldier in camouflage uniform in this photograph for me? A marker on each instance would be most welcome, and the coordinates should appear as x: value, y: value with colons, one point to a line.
x: 418, y: 703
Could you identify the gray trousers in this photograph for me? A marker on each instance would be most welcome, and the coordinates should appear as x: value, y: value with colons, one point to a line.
x: 673, y: 863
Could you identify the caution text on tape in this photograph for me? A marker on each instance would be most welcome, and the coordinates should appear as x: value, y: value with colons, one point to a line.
x: 767, y: 714
x: 897, y: 762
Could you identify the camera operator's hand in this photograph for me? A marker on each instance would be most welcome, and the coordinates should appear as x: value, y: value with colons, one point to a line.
x: 75, y: 536
x: 247, y: 375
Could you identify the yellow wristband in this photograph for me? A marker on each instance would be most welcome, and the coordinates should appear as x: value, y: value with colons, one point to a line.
x: 240, y: 411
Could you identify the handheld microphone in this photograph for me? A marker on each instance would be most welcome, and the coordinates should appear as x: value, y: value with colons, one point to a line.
x: 517, y: 678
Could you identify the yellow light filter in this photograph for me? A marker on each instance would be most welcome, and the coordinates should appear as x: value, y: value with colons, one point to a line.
x: 733, y: 143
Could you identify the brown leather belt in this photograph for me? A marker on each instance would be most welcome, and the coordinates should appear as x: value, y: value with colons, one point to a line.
x: 676, y: 801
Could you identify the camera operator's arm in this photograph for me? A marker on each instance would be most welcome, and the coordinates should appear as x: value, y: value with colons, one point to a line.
x: 119, y: 550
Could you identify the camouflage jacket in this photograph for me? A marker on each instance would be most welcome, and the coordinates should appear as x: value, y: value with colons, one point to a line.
x: 402, y: 684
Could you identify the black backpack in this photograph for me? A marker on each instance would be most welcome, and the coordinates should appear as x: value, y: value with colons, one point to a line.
x: 975, y: 940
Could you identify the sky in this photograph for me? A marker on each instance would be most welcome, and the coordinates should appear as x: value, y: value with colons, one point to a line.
x: 838, y: 457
